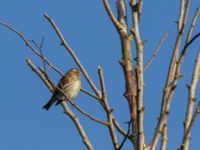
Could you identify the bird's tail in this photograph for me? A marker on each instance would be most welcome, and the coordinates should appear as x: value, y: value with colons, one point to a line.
x: 50, y: 102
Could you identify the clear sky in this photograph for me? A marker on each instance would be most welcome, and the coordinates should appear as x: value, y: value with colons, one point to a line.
x: 24, y: 125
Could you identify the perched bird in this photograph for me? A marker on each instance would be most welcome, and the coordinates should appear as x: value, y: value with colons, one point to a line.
x: 70, y: 84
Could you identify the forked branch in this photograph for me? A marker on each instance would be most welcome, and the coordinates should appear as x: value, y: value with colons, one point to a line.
x: 72, y: 53
x: 73, y: 117
x: 41, y: 56
x: 173, y: 75
x: 111, y: 15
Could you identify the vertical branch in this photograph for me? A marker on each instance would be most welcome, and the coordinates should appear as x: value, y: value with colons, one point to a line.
x: 140, y: 80
x: 196, y: 113
x: 173, y: 75
x: 191, y: 99
x: 130, y: 81
x: 111, y: 15
x: 126, y: 61
x: 181, y: 14
x: 122, y: 14
x: 127, y: 65
x: 185, y: 17
x: 140, y: 9
x: 108, y: 109
x: 164, y: 138
x: 41, y: 51
x: 195, y: 18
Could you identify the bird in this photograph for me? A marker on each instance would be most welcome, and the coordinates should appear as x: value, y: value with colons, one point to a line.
x: 69, y: 84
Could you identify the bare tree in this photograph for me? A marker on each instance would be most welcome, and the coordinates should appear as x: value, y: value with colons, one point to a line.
x: 133, y: 76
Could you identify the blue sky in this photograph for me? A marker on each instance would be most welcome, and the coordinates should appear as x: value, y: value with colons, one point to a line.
x: 87, y: 28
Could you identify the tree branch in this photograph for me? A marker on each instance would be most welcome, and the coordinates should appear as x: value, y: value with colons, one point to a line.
x: 156, y: 51
x: 140, y: 9
x: 140, y: 81
x: 122, y: 16
x: 185, y: 16
x: 185, y: 138
x: 191, y: 100
x: 111, y: 15
x: 126, y: 136
x: 90, y: 94
x: 78, y: 125
x: 195, y: 18
x: 40, y: 74
x: 40, y: 55
x: 181, y: 14
x: 88, y: 115
x: 107, y: 109
x: 74, y: 118
x: 41, y: 52
x: 31, y: 47
x: 118, y: 127
x: 172, y: 77
x: 186, y: 47
x: 71, y: 52
x: 164, y: 138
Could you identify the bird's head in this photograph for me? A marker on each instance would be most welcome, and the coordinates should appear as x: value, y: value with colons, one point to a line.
x: 75, y: 72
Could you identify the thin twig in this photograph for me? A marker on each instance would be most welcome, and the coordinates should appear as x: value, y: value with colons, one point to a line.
x: 42, y: 42
x: 88, y: 115
x: 41, y: 52
x: 72, y: 53
x: 90, y: 94
x: 187, y: 45
x: 191, y: 99
x: 185, y: 17
x: 181, y: 14
x: 125, y: 137
x: 111, y: 15
x: 196, y: 113
x: 40, y: 74
x: 107, y: 109
x: 30, y: 46
x: 140, y: 9
x: 195, y: 18
x: 101, y: 78
x: 156, y: 50
x: 118, y: 127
